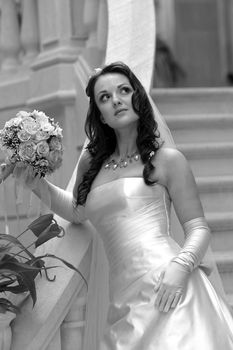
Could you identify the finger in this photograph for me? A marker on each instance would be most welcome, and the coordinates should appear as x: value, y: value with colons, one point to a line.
x: 158, y: 279
x: 169, y: 302
x: 176, y: 300
x: 157, y: 284
x: 6, y: 170
x: 3, y: 166
x: 164, y: 301
x: 159, y: 296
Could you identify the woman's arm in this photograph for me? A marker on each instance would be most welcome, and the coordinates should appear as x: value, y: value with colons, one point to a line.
x: 184, y: 194
x: 61, y: 202
x: 174, y: 172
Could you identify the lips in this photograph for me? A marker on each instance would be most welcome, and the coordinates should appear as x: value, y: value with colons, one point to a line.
x: 118, y: 111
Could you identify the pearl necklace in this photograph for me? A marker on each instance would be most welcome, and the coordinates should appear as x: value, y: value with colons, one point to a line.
x: 123, y: 162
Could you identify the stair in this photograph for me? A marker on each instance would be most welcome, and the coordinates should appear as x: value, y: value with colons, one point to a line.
x: 201, y: 121
x: 208, y: 158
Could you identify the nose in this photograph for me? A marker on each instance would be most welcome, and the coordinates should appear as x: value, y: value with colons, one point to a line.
x: 116, y: 100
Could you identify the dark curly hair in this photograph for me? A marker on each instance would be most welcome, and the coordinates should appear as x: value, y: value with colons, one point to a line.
x: 102, y: 137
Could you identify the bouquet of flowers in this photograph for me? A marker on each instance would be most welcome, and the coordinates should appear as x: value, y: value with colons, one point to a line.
x: 34, y: 139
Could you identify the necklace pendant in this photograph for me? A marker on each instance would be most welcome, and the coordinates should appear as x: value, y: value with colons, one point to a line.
x: 115, y: 165
x: 123, y: 162
x: 107, y: 166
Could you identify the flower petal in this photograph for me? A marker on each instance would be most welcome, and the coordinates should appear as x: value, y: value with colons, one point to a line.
x: 53, y: 230
x: 40, y: 224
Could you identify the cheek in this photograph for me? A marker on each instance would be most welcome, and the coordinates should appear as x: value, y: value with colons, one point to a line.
x: 106, y: 112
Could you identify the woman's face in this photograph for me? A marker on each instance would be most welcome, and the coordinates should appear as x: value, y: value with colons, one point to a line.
x: 113, y: 95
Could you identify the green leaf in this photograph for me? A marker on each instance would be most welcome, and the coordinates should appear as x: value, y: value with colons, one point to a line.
x: 16, y: 242
x: 7, y: 305
x: 72, y: 267
x: 25, y: 280
x: 40, y: 224
x: 3, y: 250
x: 53, y: 230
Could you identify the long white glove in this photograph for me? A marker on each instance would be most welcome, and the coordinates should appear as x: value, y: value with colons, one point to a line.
x: 197, y: 234
x: 59, y: 201
x: 173, y: 281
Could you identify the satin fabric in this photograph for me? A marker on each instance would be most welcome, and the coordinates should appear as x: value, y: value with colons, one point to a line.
x: 133, y: 220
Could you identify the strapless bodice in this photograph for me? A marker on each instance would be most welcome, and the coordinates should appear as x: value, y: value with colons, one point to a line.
x: 133, y: 220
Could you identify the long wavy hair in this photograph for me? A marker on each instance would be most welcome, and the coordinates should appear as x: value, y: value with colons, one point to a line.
x: 102, y: 138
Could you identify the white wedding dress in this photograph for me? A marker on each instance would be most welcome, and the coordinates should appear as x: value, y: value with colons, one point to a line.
x: 133, y: 221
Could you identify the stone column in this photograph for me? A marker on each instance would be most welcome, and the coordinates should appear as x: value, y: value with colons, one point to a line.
x: 56, y: 38
x: 9, y: 35
x: 30, y: 30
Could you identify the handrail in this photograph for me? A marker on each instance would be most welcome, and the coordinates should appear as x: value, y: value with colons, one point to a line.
x: 39, y: 328
x: 35, y: 328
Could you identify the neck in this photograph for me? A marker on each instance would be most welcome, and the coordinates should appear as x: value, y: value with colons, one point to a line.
x: 126, y: 143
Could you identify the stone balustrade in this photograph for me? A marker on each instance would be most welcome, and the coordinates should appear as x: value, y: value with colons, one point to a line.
x: 29, y: 28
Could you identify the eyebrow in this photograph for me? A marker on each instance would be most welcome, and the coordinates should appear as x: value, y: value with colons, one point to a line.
x: 118, y: 86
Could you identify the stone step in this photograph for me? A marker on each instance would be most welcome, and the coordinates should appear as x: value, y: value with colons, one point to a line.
x: 208, y: 158
x: 224, y: 261
x: 216, y: 193
x: 193, y: 100
x: 221, y: 225
x: 201, y: 127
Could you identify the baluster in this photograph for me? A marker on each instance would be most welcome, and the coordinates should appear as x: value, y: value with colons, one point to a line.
x: 90, y: 21
x: 72, y: 328
x: 229, y: 36
x: 9, y: 35
x: 102, y: 27
x: 30, y: 30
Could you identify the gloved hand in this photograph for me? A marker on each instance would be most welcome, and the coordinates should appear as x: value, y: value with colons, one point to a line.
x: 26, y: 175
x: 59, y: 201
x: 171, y: 285
x: 5, y: 171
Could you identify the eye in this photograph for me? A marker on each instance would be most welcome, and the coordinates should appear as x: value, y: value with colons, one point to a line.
x: 104, y: 98
x: 126, y: 90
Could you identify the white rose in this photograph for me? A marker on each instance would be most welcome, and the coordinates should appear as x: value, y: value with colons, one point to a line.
x: 13, y: 122
x: 40, y: 116
x: 55, y: 159
x: 48, y: 127
x: 42, y: 148
x: 27, y: 151
x: 42, y: 135
x: 55, y: 144
x: 22, y: 114
x: 57, y: 131
x: 23, y: 135
x: 30, y: 125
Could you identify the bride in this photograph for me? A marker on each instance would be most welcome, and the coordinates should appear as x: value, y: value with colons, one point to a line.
x: 160, y: 294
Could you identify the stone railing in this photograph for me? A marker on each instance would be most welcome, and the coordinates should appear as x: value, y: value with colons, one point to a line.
x: 41, y: 45
x: 68, y: 40
x: 28, y: 28
x: 19, y: 35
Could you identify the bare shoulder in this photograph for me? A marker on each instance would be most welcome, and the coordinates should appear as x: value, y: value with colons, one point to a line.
x: 166, y: 154
x: 169, y: 162
x: 174, y: 172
